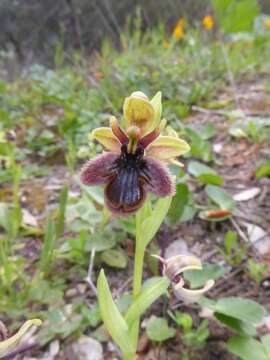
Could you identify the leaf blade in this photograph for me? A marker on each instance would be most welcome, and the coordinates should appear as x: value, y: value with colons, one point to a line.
x: 112, y: 318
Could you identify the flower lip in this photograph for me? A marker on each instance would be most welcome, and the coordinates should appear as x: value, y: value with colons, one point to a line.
x: 125, y: 192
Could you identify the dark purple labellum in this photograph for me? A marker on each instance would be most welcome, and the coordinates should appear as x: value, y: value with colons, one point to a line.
x: 125, y: 192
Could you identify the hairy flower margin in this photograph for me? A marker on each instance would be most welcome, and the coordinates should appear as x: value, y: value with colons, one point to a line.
x: 173, y: 267
x: 135, y: 161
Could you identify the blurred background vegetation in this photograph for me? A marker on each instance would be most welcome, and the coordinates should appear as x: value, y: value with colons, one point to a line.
x: 32, y: 30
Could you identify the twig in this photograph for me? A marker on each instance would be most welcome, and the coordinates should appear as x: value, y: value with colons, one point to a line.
x: 90, y: 271
x: 240, y: 231
x: 123, y: 286
x: 207, y: 111
x: 19, y: 350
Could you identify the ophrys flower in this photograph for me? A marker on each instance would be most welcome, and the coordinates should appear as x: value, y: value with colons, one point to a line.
x: 173, y: 269
x: 135, y: 163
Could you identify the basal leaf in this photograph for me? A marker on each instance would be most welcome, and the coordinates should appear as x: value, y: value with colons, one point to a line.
x: 112, y: 318
x: 246, y: 348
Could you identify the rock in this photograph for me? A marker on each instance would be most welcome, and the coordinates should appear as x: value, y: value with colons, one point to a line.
x: 217, y: 148
x: 28, y: 218
x: 54, y: 348
x: 259, y: 238
x: 85, y: 348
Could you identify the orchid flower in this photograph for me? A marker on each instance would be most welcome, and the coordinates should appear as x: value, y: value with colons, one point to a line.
x: 174, y: 267
x: 135, y: 159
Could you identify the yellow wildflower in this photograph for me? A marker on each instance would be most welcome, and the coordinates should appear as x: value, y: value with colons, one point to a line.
x: 208, y: 22
x: 267, y: 23
x: 178, y: 32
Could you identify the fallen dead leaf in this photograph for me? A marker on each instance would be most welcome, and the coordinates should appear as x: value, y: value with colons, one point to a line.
x: 247, y: 194
x: 28, y: 218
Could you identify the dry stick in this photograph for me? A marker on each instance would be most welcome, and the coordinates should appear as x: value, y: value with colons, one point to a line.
x: 240, y: 232
x: 122, y: 287
x: 19, y: 350
x: 90, y: 271
x: 245, y: 238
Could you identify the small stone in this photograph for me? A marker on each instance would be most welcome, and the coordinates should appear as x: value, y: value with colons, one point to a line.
x: 81, y: 288
x: 71, y: 293
x: 54, y: 348
x: 85, y: 348
x: 217, y: 148
x: 28, y: 218
x: 259, y: 238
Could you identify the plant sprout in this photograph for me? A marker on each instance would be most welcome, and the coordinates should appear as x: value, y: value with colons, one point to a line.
x: 134, y: 165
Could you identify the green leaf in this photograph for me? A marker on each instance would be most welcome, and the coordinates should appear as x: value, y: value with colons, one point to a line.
x: 220, y: 197
x: 230, y: 242
x: 182, y: 319
x: 112, y: 318
x: 246, y: 348
x: 62, y: 210
x: 148, y: 228
x: 266, y: 343
x: 242, y: 309
x: 263, y: 170
x: 204, y: 173
x: 241, y: 327
x: 101, y: 240
x: 114, y: 258
x: 157, y: 329
x: 208, y: 131
x: 179, y: 202
x: 92, y: 315
x: 149, y: 294
x: 235, y: 16
x: 212, y: 179
x: 209, y: 271
x: 48, y: 246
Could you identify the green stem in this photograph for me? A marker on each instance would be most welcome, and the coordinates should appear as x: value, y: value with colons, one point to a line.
x: 128, y: 357
x: 137, y: 283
